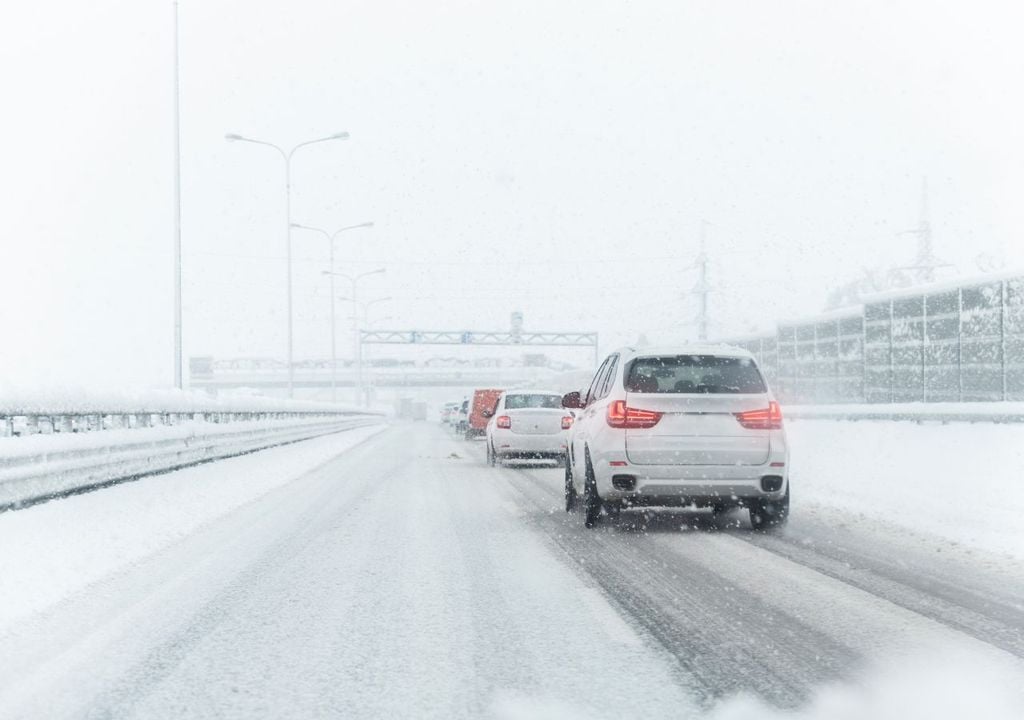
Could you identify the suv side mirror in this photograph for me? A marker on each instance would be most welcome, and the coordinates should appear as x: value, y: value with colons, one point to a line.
x: 487, y: 413
x: 572, y: 401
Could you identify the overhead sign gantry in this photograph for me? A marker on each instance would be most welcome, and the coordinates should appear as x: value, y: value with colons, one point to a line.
x: 514, y: 336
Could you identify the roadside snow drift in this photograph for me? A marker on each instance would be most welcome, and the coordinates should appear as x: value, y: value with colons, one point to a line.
x: 961, y: 482
x: 52, y: 550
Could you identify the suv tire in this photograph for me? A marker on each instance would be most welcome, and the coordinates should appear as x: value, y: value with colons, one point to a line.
x: 570, y: 490
x: 769, y: 514
x: 591, y: 500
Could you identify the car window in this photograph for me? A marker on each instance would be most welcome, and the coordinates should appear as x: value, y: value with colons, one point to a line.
x: 606, y: 382
x: 694, y: 374
x: 523, y: 401
x: 594, y: 383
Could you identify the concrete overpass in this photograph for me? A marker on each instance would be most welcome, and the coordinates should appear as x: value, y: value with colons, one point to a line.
x: 268, y: 374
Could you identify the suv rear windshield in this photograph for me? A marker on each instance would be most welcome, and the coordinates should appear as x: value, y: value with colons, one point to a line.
x: 703, y: 374
x: 519, y: 402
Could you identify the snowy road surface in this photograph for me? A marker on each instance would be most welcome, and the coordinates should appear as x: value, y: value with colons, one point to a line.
x: 404, y: 578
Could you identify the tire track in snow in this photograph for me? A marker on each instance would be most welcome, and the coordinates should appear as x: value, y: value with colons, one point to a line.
x: 617, y: 557
x: 725, y: 638
x: 982, y: 614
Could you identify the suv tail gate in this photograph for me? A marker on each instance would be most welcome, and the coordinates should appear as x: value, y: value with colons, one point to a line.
x: 697, y: 399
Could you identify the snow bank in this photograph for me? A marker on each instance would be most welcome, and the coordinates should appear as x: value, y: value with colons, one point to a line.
x: 960, y: 482
x: 939, y: 411
x: 40, y: 563
x: 933, y: 687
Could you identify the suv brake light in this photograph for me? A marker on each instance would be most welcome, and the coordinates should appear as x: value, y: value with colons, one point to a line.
x: 566, y: 422
x: 504, y: 422
x: 622, y: 416
x: 768, y: 419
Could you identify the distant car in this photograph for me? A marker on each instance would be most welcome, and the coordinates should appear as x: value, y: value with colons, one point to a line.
x: 458, y: 420
x: 447, y: 410
x: 528, y: 424
x: 693, y: 425
x: 479, y: 410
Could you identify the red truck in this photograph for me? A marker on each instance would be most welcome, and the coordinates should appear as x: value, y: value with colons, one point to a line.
x: 484, y: 400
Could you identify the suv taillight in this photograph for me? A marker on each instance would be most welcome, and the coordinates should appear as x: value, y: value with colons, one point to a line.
x: 768, y: 419
x: 622, y: 416
x: 566, y: 422
x: 504, y: 422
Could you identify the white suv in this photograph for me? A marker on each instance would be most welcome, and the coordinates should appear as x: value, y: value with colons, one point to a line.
x: 694, y: 425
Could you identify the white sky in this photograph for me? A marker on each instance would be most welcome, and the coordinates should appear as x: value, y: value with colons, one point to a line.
x: 553, y: 158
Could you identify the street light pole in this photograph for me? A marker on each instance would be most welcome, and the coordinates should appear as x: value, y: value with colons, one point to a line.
x: 287, y: 156
x: 369, y: 391
x: 177, y: 212
x: 288, y: 262
x: 334, y: 330
x: 370, y: 303
x: 334, y: 346
x: 363, y: 397
x: 357, y: 346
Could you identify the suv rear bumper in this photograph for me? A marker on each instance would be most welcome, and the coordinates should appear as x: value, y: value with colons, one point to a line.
x: 674, y: 485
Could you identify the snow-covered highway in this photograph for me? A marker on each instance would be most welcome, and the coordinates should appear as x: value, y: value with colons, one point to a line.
x: 393, y: 574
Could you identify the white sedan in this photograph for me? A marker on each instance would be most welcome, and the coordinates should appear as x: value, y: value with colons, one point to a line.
x: 529, y: 425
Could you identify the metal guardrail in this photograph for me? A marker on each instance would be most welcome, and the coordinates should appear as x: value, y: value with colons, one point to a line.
x: 76, y: 401
x: 15, y: 421
x: 36, y: 473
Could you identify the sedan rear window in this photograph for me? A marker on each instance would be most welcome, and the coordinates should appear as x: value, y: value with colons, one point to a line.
x: 520, y: 402
x: 694, y: 374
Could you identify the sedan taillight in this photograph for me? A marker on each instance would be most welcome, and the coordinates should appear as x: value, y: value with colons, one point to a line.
x: 566, y: 422
x: 504, y: 422
x: 622, y: 416
x: 768, y: 419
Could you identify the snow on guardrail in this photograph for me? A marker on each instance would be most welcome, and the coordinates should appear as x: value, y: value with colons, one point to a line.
x: 995, y: 412
x: 53, y: 448
x: 74, y: 401
x: 34, y: 469
x: 57, y: 411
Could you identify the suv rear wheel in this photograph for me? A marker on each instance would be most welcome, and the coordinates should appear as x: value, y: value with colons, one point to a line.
x: 570, y: 490
x: 591, y: 500
x: 768, y: 514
